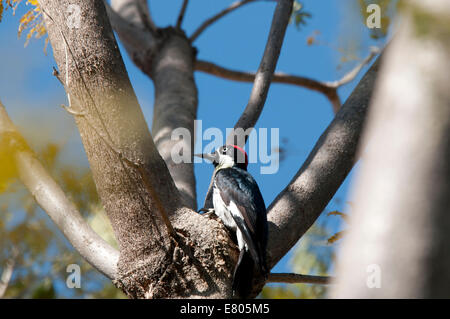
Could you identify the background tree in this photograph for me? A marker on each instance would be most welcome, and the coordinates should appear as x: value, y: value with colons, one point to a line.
x: 400, y: 224
x: 164, y: 249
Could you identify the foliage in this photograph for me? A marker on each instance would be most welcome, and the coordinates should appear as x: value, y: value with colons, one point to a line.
x: 31, y: 20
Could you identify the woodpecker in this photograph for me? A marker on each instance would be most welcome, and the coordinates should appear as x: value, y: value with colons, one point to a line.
x: 236, y: 199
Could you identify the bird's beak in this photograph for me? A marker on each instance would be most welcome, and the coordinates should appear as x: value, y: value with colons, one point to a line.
x: 211, y: 157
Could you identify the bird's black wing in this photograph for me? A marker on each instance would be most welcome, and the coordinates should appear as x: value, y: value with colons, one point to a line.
x: 244, y: 193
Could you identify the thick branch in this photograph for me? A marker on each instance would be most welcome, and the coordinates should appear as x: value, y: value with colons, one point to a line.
x: 138, y: 41
x: 264, y: 74
x: 135, y: 12
x: 297, y: 207
x: 146, y: 17
x: 299, y: 279
x: 216, y: 17
x: 170, y: 67
x: 54, y: 202
x: 114, y: 134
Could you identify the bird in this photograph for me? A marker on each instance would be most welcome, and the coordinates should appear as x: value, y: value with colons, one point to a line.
x: 234, y: 196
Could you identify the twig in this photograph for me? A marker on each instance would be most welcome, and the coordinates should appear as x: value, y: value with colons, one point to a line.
x: 278, y: 77
x: 299, y: 279
x: 137, y: 41
x: 217, y: 16
x: 7, y: 272
x: 69, y: 110
x: 350, y: 76
x: 264, y: 74
x: 182, y: 12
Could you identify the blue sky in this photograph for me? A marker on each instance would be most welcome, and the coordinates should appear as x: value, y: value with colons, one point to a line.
x: 33, y: 96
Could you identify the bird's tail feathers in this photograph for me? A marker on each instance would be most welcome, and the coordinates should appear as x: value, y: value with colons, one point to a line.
x: 243, y: 275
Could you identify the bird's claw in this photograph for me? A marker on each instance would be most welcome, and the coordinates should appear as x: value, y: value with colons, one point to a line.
x: 206, y: 211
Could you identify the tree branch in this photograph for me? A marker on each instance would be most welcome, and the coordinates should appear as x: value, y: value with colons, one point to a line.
x: 54, y: 202
x: 145, y: 16
x: 298, y: 206
x: 181, y: 14
x: 175, y: 108
x: 329, y: 89
x: 322, y: 87
x: 216, y: 17
x: 7, y: 269
x: 264, y: 74
x: 299, y: 279
x: 114, y: 133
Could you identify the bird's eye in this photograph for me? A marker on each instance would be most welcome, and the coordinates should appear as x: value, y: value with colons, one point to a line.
x: 224, y: 150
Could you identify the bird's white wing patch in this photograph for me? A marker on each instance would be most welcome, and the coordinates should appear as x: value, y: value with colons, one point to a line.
x: 222, y: 211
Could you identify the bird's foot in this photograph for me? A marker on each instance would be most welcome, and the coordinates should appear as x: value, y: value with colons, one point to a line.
x: 207, y: 212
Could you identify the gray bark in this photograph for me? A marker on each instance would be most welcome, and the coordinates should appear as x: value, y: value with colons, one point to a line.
x: 397, y: 245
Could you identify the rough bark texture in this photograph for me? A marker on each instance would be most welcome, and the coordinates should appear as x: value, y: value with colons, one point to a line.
x: 263, y: 77
x: 399, y: 229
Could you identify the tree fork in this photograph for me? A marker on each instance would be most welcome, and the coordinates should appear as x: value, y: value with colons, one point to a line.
x: 151, y: 263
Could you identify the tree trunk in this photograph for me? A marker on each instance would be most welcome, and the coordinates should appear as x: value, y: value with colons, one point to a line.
x: 397, y: 246
x: 132, y: 179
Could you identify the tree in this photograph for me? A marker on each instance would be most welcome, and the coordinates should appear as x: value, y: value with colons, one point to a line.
x: 166, y: 249
x: 397, y: 243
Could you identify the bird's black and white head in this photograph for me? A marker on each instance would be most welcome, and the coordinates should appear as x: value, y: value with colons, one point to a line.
x: 227, y: 156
